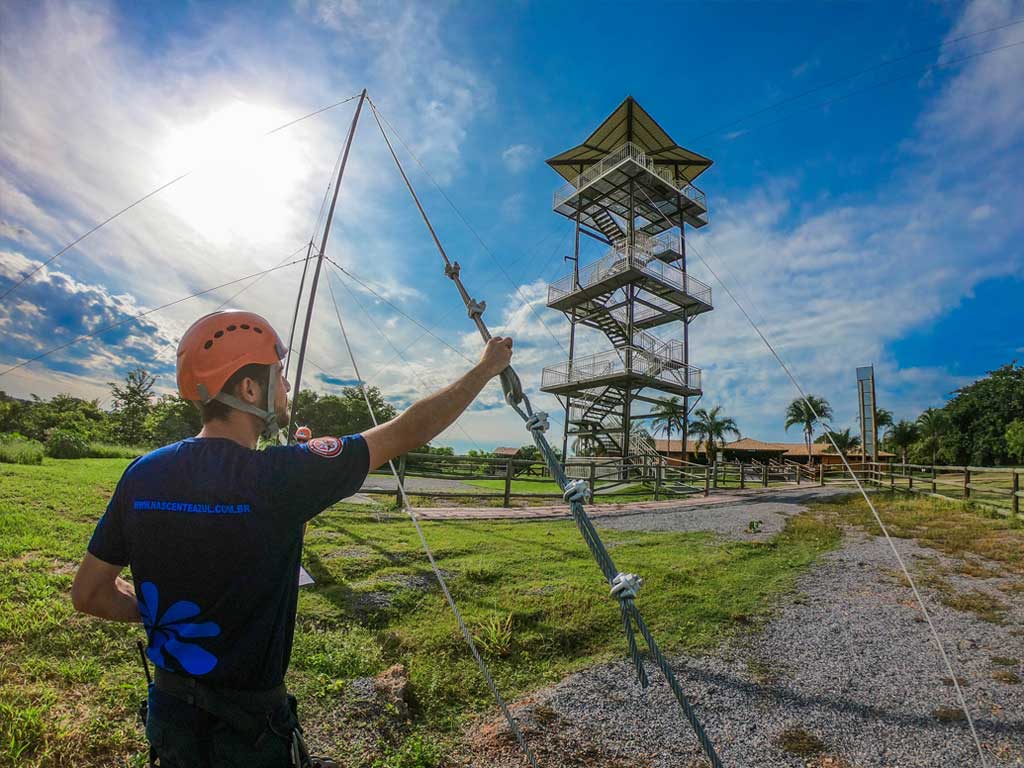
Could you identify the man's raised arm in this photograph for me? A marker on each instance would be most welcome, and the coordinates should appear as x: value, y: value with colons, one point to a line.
x: 427, y: 418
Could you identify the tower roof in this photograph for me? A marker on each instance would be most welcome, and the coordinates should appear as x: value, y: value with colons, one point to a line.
x: 629, y: 122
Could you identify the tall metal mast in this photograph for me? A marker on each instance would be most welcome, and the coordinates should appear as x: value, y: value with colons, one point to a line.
x: 320, y: 258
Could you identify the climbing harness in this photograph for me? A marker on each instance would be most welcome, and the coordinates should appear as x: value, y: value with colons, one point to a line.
x: 258, y: 715
x: 623, y: 586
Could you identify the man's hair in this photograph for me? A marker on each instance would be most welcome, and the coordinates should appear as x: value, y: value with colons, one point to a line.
x: 215, y: 409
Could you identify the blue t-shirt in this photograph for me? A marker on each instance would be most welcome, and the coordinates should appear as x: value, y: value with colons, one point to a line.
x: 213, y: 534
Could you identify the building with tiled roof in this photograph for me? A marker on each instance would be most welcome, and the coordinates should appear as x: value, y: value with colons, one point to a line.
x: 749, y: 449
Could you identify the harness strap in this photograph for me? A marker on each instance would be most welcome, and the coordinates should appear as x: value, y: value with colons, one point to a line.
x: 245, y: 711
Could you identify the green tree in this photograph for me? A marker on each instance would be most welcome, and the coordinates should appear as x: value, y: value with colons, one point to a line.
x: 712, y: 428
x: 132, y: 403
x: 806, y: 414
x: 668, y: 416
x: 36, y: 418
x: 844, y: 441
x: 932, y: 426
x: 529, y: 452
x: 341, y: 414
x: 902, y: 435
x: 979, y: 415
x: 171, y: 419
x: 1015, y: 440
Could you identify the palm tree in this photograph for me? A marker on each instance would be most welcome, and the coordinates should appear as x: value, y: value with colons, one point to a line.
x: 668, y: 415
x: 902, y: 435
x: 805, y: 413
x: 883, y: 418
x: 712, y: 428
x: 844, y: 441
x: 932, y: 426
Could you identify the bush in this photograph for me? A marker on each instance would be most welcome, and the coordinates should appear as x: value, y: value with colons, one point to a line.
x: 114, y: 451
x: 65, y: 444
x: 21, y: 451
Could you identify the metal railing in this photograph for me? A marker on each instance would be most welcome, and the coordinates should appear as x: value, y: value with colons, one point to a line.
x: 668, y: 368
x: 627, y: 152
x: 640, y: 255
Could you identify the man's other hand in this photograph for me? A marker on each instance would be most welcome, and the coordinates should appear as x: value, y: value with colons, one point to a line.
x: 496, y: 356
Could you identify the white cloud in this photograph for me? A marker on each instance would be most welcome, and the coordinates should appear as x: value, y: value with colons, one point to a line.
x: 804, y: 67
x: 518, y: 156
x: 981, y: 213
x: 511, y: 208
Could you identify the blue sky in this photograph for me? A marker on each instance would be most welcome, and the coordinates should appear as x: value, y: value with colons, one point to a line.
x: 882, y: 227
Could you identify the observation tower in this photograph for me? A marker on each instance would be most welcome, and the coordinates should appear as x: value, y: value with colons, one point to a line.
x: 630, y: 187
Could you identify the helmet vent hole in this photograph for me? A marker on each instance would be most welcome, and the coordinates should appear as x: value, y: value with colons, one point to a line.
x: 208, y: 344
x: 232, y: 327
x: 244, y: 327
x: 218, y: 334
x: 258, y: 330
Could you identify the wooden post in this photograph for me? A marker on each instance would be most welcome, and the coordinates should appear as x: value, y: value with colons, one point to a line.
x: 967, y: 483
x: 764, y: 475
x: 714, y: 475
x: 657, y: 481
x: 509, y: 471
x: 593, y: 479
x: 910, y: 481
x: 401, y: 478
x: 743, y: 483
x: 707, y: 479
x: 892, y: 478
x: 933, y: 479
x: 796, y: 471
x: 821, y: 474
x: 1015, y: 499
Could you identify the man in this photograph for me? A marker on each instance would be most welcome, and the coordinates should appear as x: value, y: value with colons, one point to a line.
x: 212, y: 531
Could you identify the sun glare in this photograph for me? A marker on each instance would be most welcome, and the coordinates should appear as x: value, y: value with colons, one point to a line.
x: 243, y: 182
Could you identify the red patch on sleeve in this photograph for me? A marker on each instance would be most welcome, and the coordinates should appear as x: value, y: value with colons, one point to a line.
x: 328, y: 447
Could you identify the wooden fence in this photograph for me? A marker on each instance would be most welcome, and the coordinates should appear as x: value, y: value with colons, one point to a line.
x: 996, y: 488
x: 636, y: 477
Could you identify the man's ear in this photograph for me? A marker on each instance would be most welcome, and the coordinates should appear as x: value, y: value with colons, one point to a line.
x: 249, y: 390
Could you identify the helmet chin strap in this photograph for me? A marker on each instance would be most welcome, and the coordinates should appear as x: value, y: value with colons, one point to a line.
x: 268, y: 416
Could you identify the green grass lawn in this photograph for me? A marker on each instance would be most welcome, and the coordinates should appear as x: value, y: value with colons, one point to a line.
x: 69, y: 685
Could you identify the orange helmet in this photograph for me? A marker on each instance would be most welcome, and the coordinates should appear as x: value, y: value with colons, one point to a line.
x: 217, y: 345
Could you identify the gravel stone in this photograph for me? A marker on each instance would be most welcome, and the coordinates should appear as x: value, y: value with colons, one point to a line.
x: 727, y: 520
x: 845, y: 675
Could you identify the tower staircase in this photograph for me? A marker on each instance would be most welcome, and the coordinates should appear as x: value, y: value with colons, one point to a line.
x: 630, y: 182
x: 608, y: 226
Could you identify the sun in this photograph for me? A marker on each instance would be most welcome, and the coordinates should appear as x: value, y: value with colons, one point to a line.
x: 244, y: 184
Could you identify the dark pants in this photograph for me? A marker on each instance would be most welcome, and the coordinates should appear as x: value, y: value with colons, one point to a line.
x: 185, y: 736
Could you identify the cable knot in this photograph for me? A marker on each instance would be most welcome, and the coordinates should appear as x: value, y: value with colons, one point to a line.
x: 577, y: 491
x: 538, y: 422
x: 452, y: 270
x: 626, y: 586
x: 475, y: 308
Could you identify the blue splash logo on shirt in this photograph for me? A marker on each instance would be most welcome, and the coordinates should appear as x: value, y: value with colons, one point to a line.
x: 170, y: 633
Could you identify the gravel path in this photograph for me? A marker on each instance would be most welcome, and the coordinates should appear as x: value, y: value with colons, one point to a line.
x: 731, y: 520
x: 845, y: 675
